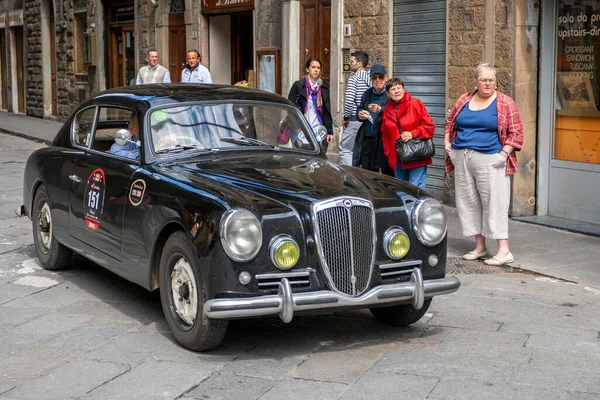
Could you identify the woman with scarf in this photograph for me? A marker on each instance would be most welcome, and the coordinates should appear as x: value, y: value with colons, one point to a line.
x: 311, y: 96
x: 405, y: 117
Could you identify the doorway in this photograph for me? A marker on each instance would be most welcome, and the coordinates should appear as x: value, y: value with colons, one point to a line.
x: 569, y: 116
x: 315, y: 34
x: 121, y: 45
x: 177, y: 50
x: 19, y: 75
x: 242, y: 46
x: 231, y: 44
x: 3, y: 71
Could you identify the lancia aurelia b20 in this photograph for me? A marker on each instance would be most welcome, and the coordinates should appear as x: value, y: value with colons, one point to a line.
x: 222, y: 198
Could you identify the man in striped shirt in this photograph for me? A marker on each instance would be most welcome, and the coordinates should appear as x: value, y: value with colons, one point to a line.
x: 153, y: 72
x: 357, y: 84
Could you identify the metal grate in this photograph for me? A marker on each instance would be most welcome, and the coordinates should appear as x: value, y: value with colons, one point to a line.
x: 176, y: 6
x: 345, y: 234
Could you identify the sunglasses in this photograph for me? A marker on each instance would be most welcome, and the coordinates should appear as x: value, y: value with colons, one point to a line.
x: 377, y: 77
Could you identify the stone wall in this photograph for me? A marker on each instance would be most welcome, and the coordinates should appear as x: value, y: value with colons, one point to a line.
x: 67, y: 95
x: 34, y: 99
x: 268, y: 25
x: 370, y: 21
x: 145, y: 35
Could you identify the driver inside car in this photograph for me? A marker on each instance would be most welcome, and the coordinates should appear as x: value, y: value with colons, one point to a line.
x: 129, y: 149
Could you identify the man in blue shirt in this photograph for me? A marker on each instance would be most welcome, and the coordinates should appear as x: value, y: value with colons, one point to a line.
x: 128, y: 150
x: 194, y: 72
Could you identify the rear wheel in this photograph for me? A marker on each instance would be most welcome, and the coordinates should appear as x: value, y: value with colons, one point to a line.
x: 182, y: 295
x: 400, y: 315
x: 53, y: 255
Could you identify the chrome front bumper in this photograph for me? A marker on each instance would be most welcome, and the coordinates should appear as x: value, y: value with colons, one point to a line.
x: 285, y: 303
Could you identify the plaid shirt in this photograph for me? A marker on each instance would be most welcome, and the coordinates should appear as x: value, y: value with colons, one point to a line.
x: 510, y: 127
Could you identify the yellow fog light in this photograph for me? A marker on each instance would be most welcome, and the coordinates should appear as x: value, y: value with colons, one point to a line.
x: 284, y: 252
x: 396, y: 243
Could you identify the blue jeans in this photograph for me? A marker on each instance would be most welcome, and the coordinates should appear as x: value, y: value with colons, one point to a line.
x: 416, y: 176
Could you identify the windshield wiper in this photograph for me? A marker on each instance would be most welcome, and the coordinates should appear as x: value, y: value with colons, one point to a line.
x: 246, y: 141
x: 178, y: 148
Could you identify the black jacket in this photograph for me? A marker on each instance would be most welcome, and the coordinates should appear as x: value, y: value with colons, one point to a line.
x: 298, y: 97
x: 378, y: 158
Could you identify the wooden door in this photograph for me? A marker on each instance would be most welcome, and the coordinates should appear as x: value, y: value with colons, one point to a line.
x: 177, y: 50
x: 53, y: 65
x: 3, y: 66
x: 315, y: 34
x: 121, y: 54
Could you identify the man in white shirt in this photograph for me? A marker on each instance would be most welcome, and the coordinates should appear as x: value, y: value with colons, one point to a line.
x: 153, y: 72
x: 194, y: 72
x: 358, y: 83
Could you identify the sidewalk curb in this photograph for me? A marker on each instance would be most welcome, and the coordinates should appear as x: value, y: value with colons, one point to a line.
x: 25, y: 136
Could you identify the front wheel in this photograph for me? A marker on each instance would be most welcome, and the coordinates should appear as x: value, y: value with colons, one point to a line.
x: 400, y: 315
x: 52, y: 255
x: 182, y: 295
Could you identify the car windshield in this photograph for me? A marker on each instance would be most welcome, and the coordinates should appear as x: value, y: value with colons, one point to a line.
x: 209, y: 127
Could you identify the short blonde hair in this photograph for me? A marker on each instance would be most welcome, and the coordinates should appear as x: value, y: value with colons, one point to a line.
x: 483, y: 66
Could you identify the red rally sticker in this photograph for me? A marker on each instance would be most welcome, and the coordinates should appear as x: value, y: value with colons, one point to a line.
x: 93, y: 199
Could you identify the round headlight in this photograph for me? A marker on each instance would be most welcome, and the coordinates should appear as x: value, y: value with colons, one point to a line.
x: 429, y: 221
x: 284, y: 252
x: 396, y: 243
x: 241, y: 234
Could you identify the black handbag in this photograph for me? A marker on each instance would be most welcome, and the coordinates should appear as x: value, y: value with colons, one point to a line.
x: 415, y: 149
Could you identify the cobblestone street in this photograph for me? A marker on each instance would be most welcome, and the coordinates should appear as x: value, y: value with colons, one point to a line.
x: 85, y: 333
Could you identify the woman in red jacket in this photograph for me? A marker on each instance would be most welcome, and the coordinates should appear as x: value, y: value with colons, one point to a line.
x: 405, y: 117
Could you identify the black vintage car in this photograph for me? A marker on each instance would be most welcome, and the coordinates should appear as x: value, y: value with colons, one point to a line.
x: 222, y: 198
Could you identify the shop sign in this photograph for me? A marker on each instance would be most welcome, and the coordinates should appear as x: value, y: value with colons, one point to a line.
x: 15, y: 18
x: 225, y: 5
x: 578, y: 33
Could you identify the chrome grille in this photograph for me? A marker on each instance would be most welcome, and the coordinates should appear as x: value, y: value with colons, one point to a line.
x: 345, y: 236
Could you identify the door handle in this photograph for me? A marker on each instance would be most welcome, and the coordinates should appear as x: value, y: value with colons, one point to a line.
x: 306, y: 51
x: 326, y: 50
x: 75, y: 178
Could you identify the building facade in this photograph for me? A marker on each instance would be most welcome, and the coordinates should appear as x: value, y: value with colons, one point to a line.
x: 545, y: 52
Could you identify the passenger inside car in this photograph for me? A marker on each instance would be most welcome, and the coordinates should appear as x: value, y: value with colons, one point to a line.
x: 129, y: 149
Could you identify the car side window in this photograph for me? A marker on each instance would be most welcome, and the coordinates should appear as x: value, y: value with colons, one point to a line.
x: 110, y: 120
x: 84, y: 123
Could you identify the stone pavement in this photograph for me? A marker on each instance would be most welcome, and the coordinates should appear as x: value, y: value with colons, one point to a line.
x: 85, y: 333
x: 548, y: 251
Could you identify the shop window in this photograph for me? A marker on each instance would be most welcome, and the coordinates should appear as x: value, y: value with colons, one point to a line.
x: 577, y: 127
x: 82, y: 43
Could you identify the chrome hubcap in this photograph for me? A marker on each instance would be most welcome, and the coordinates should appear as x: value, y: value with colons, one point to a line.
x: 45, y: 225
x: 184, y: 291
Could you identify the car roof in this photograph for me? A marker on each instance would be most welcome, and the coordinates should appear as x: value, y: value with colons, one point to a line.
x: 171, y: 93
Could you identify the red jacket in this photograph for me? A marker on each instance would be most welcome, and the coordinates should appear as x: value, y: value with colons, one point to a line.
x: 414, y: 118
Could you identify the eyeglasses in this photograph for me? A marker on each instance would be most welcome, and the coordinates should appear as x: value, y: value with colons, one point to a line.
x: 377, y: 77
x: 485, y: 81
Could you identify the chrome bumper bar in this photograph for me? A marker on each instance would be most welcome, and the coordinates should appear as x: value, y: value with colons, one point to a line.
x: 285, y: 303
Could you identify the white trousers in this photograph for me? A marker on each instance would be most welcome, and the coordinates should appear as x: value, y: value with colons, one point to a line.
x: 347, y: 142
x: 482, y: 191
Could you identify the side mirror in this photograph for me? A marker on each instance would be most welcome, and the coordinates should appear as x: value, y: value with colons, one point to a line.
x: 321, y: 133
x: 123, y: 136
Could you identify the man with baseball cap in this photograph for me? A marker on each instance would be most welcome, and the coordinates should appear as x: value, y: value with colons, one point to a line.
x: 368, y: 149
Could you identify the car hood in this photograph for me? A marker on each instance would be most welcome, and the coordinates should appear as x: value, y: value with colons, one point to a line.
x: 282, y: 177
